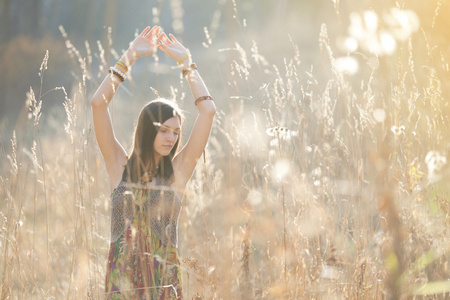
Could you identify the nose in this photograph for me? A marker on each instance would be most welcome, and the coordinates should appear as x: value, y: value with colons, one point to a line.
x: 171, y: 136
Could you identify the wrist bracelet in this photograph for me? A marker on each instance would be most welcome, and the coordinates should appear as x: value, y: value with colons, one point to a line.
x: 200, y: 99
x: 122, y: 67
x: 183, y: 59
x: 117, y: 72
x: 186, y: 71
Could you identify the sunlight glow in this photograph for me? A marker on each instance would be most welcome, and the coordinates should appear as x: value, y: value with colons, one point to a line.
x: 388, y: 43
x: 378, y: 35
x: 351, y: 44
x: 281, y: 168
x: 329, y: 272
x: 398, y: 130
x: 371, y: 21
x: 435, y: 163
x: 254, y: 197
x: 403, y: 23
x: 379, y: 115
x: 356, y: 29
x: 326, y: 149
x: 347, y: 65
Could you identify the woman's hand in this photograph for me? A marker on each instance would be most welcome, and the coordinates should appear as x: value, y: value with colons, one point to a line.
x: 145, y: 43
x: 174, y: 49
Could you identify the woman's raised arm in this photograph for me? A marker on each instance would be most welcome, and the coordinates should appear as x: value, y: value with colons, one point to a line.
x: 186, y: 160
x: 113, y: 153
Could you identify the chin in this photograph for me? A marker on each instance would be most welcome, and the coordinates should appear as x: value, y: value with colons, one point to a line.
x: 165, y: 153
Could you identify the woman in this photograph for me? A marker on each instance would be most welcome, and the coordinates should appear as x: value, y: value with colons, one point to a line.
x: 147, y: 185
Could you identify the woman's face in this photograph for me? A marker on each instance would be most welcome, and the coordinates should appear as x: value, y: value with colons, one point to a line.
x: 166, y: 137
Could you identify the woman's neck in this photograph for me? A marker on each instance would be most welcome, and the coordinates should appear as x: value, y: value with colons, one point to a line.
x: 152, y: 169
x: 157, y: 159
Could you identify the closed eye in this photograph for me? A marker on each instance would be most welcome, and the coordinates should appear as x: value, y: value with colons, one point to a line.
x: 164, y: 129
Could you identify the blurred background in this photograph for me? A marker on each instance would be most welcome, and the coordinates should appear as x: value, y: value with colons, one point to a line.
x: 326, y: 175
x: 29, y: 28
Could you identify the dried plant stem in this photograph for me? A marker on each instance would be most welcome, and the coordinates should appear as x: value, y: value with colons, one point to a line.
x: 5, y: 287
x: 76, y: 221
x: 34, y: 229
x: 36, y: 125
x: 246, y: 290
x: 284, y: 234
x: 4, y: 284
x: 394, y: 227
x: 394, y: 256
x: 205, y: 225
x: 46, y: 205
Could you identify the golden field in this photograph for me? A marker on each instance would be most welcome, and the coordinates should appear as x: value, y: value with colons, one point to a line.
x: 326, y: 175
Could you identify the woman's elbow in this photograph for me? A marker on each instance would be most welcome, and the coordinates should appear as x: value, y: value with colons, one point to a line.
x: 211, y: 109
x: 97, y: 102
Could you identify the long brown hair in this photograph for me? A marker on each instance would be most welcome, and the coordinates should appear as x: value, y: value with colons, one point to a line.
x: 152, y: 115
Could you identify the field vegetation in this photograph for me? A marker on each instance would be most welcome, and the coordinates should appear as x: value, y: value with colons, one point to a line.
x: 326, y: 175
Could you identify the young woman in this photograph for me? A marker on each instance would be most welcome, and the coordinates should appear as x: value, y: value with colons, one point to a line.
x: 147, y: 185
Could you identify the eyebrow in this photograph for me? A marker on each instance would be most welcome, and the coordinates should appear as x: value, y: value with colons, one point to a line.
x: 168, y: 127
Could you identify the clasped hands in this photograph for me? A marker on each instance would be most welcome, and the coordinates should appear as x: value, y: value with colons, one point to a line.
x: 152, y: 39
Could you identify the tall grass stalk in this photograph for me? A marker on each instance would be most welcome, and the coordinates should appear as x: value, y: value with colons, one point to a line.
x: 36, y: 125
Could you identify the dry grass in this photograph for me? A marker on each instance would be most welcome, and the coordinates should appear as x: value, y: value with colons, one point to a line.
x: 317, y: 184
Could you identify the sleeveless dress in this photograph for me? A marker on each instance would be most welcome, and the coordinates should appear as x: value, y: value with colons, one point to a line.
x: 143, y: 260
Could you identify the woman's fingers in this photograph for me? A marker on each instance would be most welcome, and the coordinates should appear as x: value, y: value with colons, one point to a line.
x: 155, y: 30
x: 163, y: 48
x: 158, y: 40
x: 146, y: 29
x: 164, y: 38
x: 149, y: 33
x: 173, y: 38
x: 152, y: 32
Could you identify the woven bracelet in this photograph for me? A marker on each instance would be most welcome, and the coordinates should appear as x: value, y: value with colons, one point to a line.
x: 122, y: 67
x: 187, y: 70
x: 200, y: 99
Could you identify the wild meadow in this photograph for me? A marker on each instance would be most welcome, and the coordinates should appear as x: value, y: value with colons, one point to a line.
x: 328, y: 179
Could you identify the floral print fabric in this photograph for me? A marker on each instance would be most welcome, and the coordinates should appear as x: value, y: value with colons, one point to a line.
x: 140, y: 266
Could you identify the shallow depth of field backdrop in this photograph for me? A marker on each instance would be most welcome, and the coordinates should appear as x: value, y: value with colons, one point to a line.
x: 326, y: 175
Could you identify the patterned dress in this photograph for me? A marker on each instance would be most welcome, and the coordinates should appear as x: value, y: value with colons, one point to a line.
x: 140, y: 265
